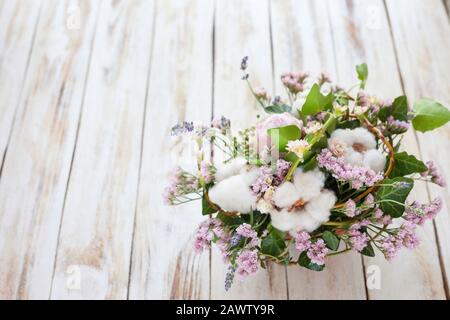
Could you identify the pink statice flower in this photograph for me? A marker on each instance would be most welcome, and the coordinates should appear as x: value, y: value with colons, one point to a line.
x: 282, y: 169
x: 263, y: 182
x: 302, y: 241
x: 369, y: 201
x: 317, y: 252
x: 294, y: 81
x: 246, y: 230
x: 181, y: 183
x: 247, y: 263
x: 419, y: 213
x: 207, y: 171
x: 405, y: 237
x: 358, y: 240
x: 209, y: 230
x: 341, y: 170
x: 261, y: 94
x: 350, y: 208
x: 433, y: 172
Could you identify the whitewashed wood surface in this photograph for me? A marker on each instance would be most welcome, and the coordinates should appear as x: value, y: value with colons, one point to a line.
x: 90, y: 89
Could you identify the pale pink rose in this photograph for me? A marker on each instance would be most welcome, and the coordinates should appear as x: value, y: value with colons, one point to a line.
x: 274, y: 121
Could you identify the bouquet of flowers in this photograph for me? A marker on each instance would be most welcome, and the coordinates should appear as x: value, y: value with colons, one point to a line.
x: 321, y: 174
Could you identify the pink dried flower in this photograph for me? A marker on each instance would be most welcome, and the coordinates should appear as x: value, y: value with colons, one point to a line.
x: 247, y: 263
x: 294, y: 82
x: 350, y: 208
x: 433, y: 172
x: 302, y: 241
x: 207, y: 171
x: 357, y: 176
x: 317, y: 252
x: 246, y: 230
x: 358, y: 240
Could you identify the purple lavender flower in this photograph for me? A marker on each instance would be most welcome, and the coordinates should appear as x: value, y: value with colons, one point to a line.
x: 182, y: 128
x: 229, y: 278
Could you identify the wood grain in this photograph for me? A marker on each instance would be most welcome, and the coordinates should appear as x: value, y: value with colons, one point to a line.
x: 421, y: 33
x: 303, y: 42
x: 239, y: 33
x: 37, y: 164
x: 98, y: 218
x: 361, y: 34
x: 164, y: 265
x: 17, y: 28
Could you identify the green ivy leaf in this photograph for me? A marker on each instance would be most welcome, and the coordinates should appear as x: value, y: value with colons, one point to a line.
x: 316, y: 101
x: 277, y: 108
x: 280, y: 136
x: 400, y: 108
x: 306, y: 262
x: 393, y: 193
x: 363, y: 73
x: 273, y: 244
x: 429, y: 115
x: 368, y: 250
x: 207, y: 208
x: 331, y: 240
x: 406, y: 164
x: 351, y: 124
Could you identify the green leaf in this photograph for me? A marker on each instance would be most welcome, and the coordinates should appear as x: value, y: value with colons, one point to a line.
x: 392, y: 194
x: 406, y: 164
x: 429, y: 115
x: 273, y: 244
x: 363, y: 73
x: 310, y: 164
x: 331, y: 240
x: 277, y: 108
x: 207, y: 208
x: 316, y: 101
x: 230, y: 220
x: 306, y: 262
x: 280, y: 136
x: 368, y: 250
x: 399, y: 108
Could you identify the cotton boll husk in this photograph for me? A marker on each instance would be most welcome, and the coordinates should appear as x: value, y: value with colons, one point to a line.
x: 304, y: 221
x: 344, y: 135
x: 353, y: 157
x: 375, y: 160
x: 249, y: 174
x: 233, y: 194
x: 364, y: 137
x: 309, y: 183
x: 229, y: 169
x: 320, y: 206
x: 285, y: 195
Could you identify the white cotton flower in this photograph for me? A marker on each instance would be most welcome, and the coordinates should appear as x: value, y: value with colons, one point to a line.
x: 307, y: 214
x: 375, y: 160
x: 249, y: 174
x: 264, y: 206
x: 285, y: 195
x: 233, y: 194
x: 229, y: 169
x: 308, y: 183
x: 360, y: 148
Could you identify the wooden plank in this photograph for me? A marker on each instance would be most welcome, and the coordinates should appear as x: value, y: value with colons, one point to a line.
x: 98, y: 217
x: 303, y: 42
x: 422, y: 37
x: 242, y: 29
x: 164, y: 264
x: 361, y: 34
x: 38, y: 161
x: 17, y: 28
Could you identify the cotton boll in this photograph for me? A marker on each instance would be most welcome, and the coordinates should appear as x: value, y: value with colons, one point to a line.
x: 264, y: 206
x: 283, y: 220
x: 229, y: 169
x: 285, y: 195
x: 364, y: 137
x: 354, y: 158
x: 249, y: 174
x: 304, y: 221
x: 320, y: 206
x: 308, y: 183
x: 233, y: 194
x: 375, y: 160
x: 344, y: 135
